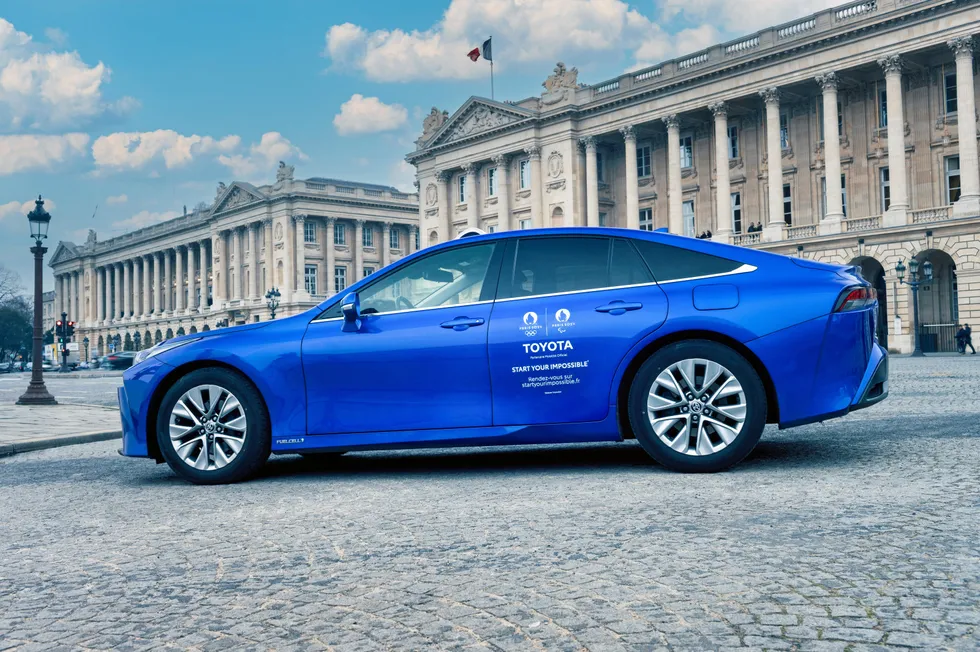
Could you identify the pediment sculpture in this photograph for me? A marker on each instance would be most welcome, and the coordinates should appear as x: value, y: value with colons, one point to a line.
x: 430, y: 125
x: 481, y: 118
x: 285, y: 172
x: 559, y: 83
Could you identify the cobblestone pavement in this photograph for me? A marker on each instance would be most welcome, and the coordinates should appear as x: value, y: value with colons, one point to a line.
x: 858, y: 534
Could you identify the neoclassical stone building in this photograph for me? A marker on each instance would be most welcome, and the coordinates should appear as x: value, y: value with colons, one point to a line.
x: 848, y: 136
x: 212, y: 267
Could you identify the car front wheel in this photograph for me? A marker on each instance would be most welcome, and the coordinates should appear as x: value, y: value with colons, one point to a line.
x: 213, y: 428
x: 697, y: 406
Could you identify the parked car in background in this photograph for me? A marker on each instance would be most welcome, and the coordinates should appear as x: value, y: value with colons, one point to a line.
x: 120, y: 360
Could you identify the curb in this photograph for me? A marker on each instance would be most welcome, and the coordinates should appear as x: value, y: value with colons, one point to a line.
x: 7, y: 450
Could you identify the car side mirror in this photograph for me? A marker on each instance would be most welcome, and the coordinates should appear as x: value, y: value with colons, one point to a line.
x: 351, y: 307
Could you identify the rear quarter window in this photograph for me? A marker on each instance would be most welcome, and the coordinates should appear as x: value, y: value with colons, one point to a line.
x: 674, y: 263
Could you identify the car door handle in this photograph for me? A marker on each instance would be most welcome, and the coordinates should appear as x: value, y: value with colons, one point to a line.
x: 618, y: 307
x: 462, y: 323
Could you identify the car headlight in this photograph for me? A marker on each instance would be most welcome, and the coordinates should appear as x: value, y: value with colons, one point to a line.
x: 157, y: 349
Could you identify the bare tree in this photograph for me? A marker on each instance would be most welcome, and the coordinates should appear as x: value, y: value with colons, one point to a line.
x: 10, y: 286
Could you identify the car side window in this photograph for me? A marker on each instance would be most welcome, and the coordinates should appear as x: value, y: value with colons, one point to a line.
x: 450, y: 277
x: 559, y: 264
x: 626, y: 267
x: 674, y: 263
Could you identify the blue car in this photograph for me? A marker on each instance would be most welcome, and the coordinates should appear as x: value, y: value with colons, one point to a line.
x: 526, y: 337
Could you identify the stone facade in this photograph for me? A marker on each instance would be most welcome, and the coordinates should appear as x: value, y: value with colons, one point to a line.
x: 862, y: 105
x: 212, y: 267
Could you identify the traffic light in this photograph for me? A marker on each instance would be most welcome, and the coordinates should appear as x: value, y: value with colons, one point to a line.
x: 69, y: 330
x: 59, y: 330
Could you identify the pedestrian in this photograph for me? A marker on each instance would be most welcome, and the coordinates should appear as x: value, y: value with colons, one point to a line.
x: 968, y: 339
x: 960, y: 339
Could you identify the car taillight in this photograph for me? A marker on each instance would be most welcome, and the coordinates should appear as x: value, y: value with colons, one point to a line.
x: 856, y: 299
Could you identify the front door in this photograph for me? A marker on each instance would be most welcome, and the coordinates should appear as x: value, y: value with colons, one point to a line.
x: 568, y: 310
x: 419, y: 359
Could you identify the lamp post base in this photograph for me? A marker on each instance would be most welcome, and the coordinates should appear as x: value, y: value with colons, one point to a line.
x: 36, y: 394
x: 917, y: 354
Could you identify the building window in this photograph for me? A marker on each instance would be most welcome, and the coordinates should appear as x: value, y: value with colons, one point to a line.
x: 491, y: 182
x: 784, y: 130
x: 886, y: 198
x: 340, y: 277
x: 882, y: 108
x: 393, y: 239
x: 952, y: 179
x: 843, y: 194
x: 492, y: 228
x: 524, y: 223
x: 687, y: 152
x: 787, y: 204
x: 417, y: 240
x: 733, y: 142
x: 687, y: 211
x: 949, y: 92
x: 368, y: 270
x: 340, y: 234
x: 309, y: 276
x: 309, y: 232
x: 525, y: 173
x: 646, y: 219
x: 643, y: 157
x: 462, y: 189
x: 600, y: 168
x: 602, y: 218
x: 367, y: 237
x: 737, y: 212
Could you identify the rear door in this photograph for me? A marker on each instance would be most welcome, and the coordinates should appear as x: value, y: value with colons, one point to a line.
x: 568, y: 309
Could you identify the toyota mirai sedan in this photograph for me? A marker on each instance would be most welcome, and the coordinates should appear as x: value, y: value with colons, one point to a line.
x: 526, y: 337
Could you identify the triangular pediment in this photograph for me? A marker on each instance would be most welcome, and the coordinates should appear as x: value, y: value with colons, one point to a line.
x: 479, y: 116
x: 236, y: 195
x: 64, y: 251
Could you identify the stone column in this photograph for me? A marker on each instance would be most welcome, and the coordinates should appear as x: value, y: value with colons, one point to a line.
x: 219, y: 269
x: 300, y: 275
x: 59, y: 295
x: 831, y: 222
x: 179, y: 253
x: 127, y: 289
x: 472, y: 196
x: 632, y: 183
x: 236, y: 244
x: 723, y: 185
x: 99, y: 295
x: 413, y: 233
x: 331, y: 256
x: 502, y: 161
x: 774, y: 156
x: 358, y: 249
x: 386, y: 243
x: 675, y: 191
x: 168, y: 282
x: 443, y: 177
x: 538, y: 218
x: 158, y: 283
x: 897, y: 213
x: 591, y: 182
x: 203, y: 271
x: 270, y: 279
x: 107, y: 300
x: 253, y: 261
x: 968, y: 204
x: 117, y: 291
x: 145, y: 265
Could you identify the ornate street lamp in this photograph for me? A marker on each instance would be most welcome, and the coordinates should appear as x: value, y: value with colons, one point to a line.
x: 272, y: 300
x: 914, y: 282
x: 85, y: 342
x: 37, y: 393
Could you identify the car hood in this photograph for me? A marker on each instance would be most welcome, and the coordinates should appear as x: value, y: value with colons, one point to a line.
x: 200, y: 335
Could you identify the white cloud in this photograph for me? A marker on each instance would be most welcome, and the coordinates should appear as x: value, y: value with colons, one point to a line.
x: 56, y: 36
x: 262, y: 157
x: 528, y: 31
x: 117, y: 199
x: 144, y: 218
x: 366, y: 115
x: 42, y: 89
x: 22, y: 153
x: 733, y: 17
x: 403, y: 176
x: 661, y: 45
x: 135, y: 150
x: 21, y: 209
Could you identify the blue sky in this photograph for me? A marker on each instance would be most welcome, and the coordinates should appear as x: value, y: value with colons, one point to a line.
x: 142, y: 108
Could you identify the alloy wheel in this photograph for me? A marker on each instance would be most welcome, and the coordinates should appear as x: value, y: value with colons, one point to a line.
x: 696, y: 407
x: 207, y: 427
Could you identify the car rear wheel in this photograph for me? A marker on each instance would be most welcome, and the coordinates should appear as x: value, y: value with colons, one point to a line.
x: 212, y: 427
x: 697, y: 406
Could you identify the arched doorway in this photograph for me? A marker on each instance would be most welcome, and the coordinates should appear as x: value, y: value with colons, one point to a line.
x: 205, y: 328
x: 938, y: 303
x: 157, y: 337
x: 874, y: 273
x: 170, y: 333
x: 137, y: 341
x: 180, y: 331
x: 147, y: 340
x: 128, y: 343
x: 101, y: 346
x: 193, y: 330
x: 116, y: 342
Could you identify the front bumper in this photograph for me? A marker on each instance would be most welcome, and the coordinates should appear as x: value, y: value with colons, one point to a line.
x: 139, y: 384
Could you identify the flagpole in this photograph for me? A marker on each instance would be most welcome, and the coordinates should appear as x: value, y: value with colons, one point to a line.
x: 491, y: 67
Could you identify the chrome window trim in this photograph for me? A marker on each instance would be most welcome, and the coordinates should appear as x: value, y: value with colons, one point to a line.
x: 745, y: 268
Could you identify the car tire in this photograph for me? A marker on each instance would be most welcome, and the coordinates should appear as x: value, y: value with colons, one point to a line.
x: 236, y: 419
x: 697, y: 406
